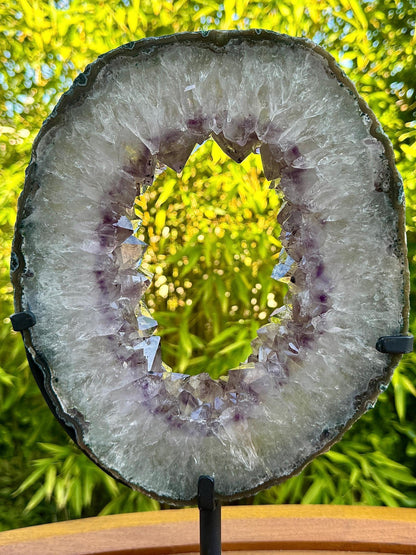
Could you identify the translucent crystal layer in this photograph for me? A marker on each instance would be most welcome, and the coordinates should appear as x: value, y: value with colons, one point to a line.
x: 312, y: 367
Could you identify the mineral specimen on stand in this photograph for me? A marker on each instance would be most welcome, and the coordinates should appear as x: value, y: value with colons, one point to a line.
x: 314, y: 368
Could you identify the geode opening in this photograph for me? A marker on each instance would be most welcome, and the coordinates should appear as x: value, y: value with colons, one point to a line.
x: 312, y: 374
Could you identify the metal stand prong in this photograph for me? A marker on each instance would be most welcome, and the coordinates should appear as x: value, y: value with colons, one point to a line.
x: 209, y: 517
x: 22, y: 320
x: 395, y: 344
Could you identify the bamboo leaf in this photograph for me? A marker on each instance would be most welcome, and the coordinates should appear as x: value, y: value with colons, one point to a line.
x: 359, y: 13
x: 222, y: 336
x: 233, y: 347
x: 35, y: 500
x: 166, y: 193
x: 30, y: 480
x: 50, y: 480
x: 314, y: 493
x: 132, y: 20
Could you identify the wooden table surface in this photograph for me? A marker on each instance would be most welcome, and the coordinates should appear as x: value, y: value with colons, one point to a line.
x: 283, y: 529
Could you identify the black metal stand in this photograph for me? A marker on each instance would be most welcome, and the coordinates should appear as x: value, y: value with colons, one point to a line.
x: 395, y: 344
x: 209, y: 517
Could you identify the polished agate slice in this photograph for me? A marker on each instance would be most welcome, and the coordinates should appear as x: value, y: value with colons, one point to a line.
x: 314, y: 367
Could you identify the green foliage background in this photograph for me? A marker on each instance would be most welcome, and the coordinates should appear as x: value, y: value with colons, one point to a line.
x: 220, y: 217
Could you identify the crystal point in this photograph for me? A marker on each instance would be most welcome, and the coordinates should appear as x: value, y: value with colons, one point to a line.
x: 175, y: 150
x: 150, y: 348
x: 272, y: 161
x: 124, y: 229
x: 130, y: 253
x: 146, y: 326
x: 282, y: 270
x: 234, y: 150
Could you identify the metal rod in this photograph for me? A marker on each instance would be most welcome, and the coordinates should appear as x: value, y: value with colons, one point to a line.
x: 209, y: 517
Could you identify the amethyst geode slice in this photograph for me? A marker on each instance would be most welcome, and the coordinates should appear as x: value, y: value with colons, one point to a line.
x: 314, y: 368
